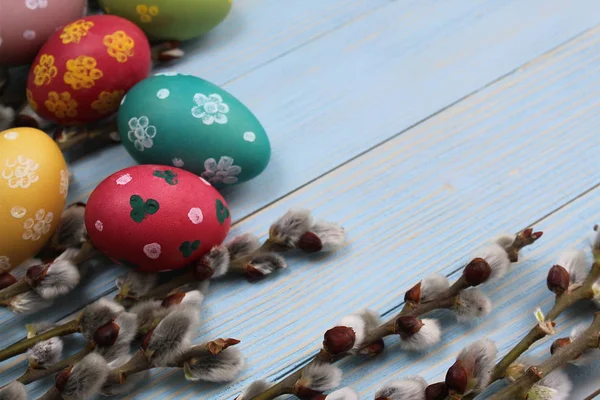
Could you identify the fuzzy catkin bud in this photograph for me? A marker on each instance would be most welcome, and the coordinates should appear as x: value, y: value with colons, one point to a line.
x: 375, y: 348
x: 429, y: 334
x: 317, y: 378
x: 45, y: 353
x: 106, y: 335
x: 7, y: 280
x: 222, y: 367
x: 288, y: 229
x: 14, y: 391
x: 477, y: 272
x: 457, y: 378
x: 558, y: 280
x: 437, y: 391
x: 339, y: 340
x: 413, y: 295
x: 411, y: 388
x: 558, y: 344
x: 407, y: 326
x: 254, y: 389
x: 98, y: 314
x: 345, y: 393
x: 85, y: 379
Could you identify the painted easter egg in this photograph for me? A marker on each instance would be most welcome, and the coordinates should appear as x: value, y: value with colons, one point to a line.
x: 33, y: 191
x: 171, y: 19
x: 190, y: 123
x: 155, y: 217
x: 25, y: 25
x: 83, y: 71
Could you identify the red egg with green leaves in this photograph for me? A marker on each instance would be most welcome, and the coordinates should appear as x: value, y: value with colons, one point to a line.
x: 156, y: 218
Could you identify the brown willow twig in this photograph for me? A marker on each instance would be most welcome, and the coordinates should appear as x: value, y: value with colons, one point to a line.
x: 561, y: 303
x: 444, y: 300
x: 593, y: 395
x: 590, y: 339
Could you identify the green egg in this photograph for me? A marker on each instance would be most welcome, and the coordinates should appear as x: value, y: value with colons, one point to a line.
x: 170, y: 19
x: 190, y: 123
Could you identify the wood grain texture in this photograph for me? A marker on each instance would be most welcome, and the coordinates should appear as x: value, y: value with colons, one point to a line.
x: 494, y: 163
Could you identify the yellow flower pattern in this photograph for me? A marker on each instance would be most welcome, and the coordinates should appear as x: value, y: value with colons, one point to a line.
x: 73, y: 32
x: 108, y: 102
x: 30, y: 100
x: 119, y: 46
x: 45, y: 70
x: 146, y: 12
x: 82, y: 72
x: 61, y: 105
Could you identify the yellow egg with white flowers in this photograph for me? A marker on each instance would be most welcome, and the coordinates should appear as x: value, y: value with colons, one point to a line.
x: 33, y: 191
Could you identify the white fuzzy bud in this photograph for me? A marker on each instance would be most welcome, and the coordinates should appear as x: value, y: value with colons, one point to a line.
x: 28, y: 302
x: 243, y: 245
x: 554, y: 386
x: 128, y: 325
x: 262, y: 265
x: 97, y: 314
x: 71, y: 231
x: 432, y: 286
x: 411, y: 388
x: 472, y: 303
x: 574, y: 261
x: 62, y: 276
x: 192, y: 300
x: 253, y: 390
x: 497, y: 258
x: 171, y: 336
x: 361, y: 323
x: 345, y: 393
x: 45, y: 353
x: 136, y: 284
x: 219, y: 260
x: 320, y: 377
x: 428, y: 336
x: 222, y: 367
x: 7, y: 117
x: 478, y: 359
x: 86, y: 378
x: 288, y: 229
x: 149, y: 312
x: 13, y: 391
x: 332, y: 236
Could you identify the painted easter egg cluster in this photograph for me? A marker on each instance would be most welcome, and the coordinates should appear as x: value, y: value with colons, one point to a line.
x: 190, y: 123
x: 171, y: 19
x: 26, y: 24
x: 33, y: 190
x: 155, y: 217
x: 84, y: 69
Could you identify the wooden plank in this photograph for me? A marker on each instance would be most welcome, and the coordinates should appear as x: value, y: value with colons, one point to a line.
x: 365, y: 82
x: 494, y: 163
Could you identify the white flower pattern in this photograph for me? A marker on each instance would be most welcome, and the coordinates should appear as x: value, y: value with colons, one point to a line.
x: 63, y: 188
x: 152, y: 250
x: 124, y: 179
x: 35, y: 4
x: 38, y: 226
x: 141, y: 133
x: 99, y: 226
x: 4, y: 263
x: 163, y: 94
x: 29, y: 34
x: 18, y: 212
x: 210, y: 109
x: 12, y: 135
x: 249, y: 136
x: 223, y: 172
x: 177, y: 162
x: 195, y: 215
x: 21, y: 173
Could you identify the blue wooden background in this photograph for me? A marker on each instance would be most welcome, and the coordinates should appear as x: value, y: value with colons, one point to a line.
x: 424, y: 127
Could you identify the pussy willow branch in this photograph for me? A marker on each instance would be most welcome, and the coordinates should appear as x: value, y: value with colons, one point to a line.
x: 162, y: 291
x: 561, y: 303
x: 443, y: 301
x: 23, y: 285
x: 593, y: 395
x: 21, y: 346
x: 590, y: 339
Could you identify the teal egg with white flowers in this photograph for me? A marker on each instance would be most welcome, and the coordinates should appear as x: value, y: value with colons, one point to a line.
x: 193, y: 124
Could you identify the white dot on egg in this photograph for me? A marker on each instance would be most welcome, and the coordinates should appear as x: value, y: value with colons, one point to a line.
x: 99, y: 226
x: 163, y: 93
x: 29, y: 34
x: 12, y: 135
x: 123, y: 99
x: 249, y: 137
